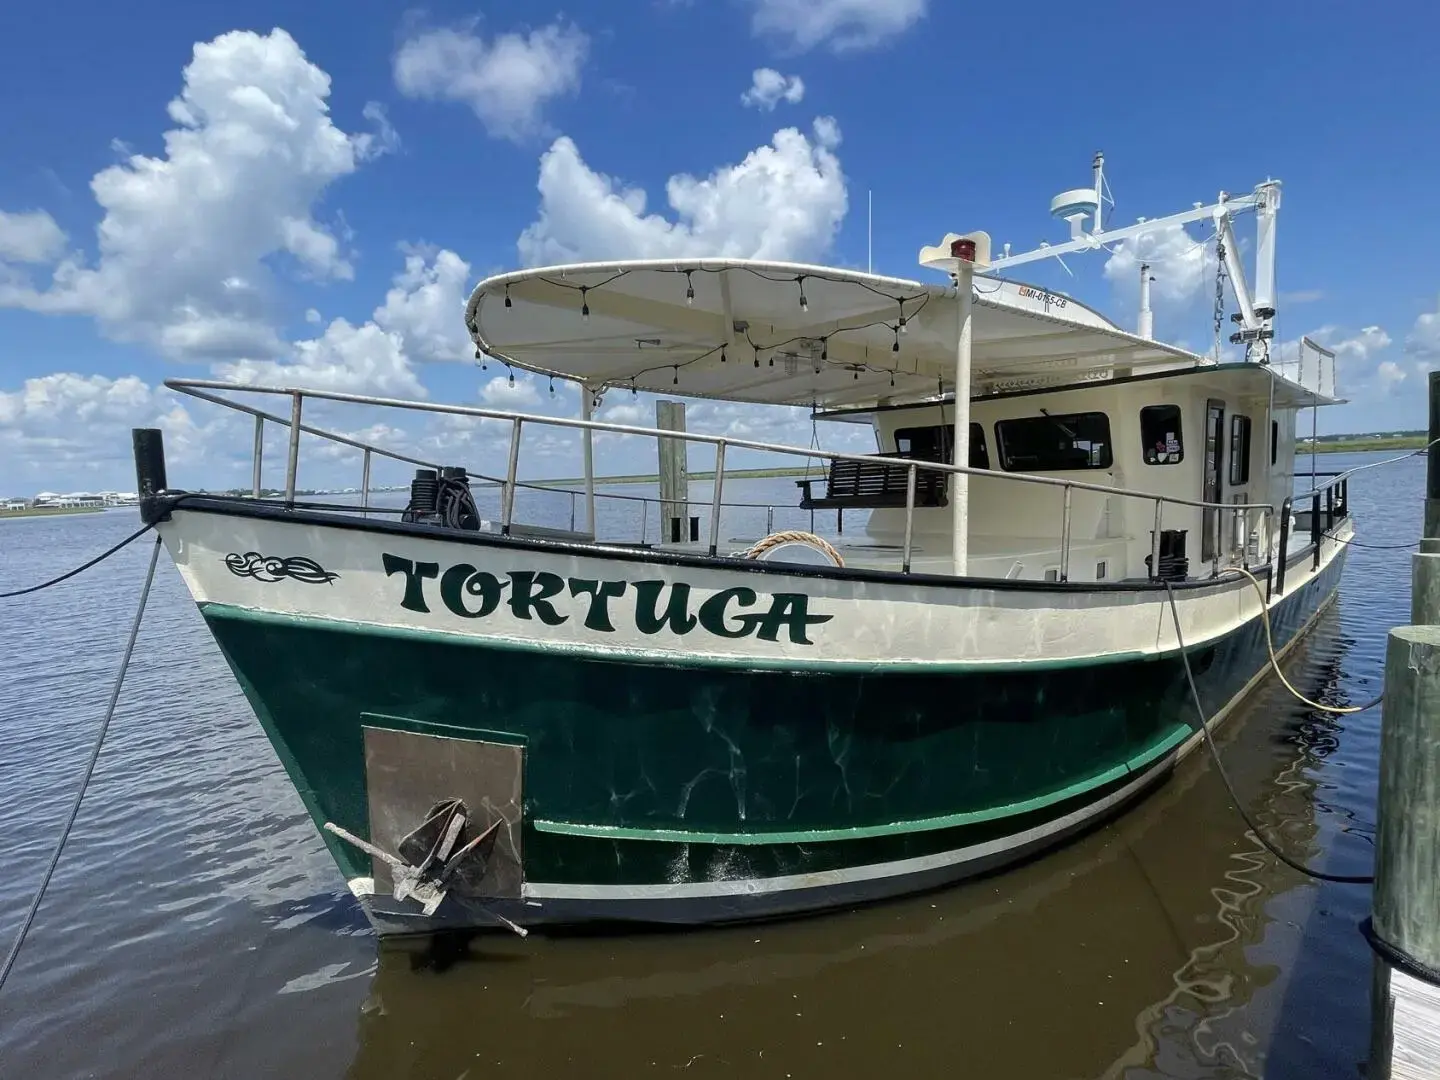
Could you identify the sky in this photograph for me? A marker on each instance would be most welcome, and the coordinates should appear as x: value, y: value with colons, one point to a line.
x: 305, y: 194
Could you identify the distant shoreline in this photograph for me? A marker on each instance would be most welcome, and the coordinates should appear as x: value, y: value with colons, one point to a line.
x: 50, y: 511
x: 1340, y: 446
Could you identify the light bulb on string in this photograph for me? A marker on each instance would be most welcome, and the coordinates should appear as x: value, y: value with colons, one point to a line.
x: 508, y: 304
x: 584, y: 303
x: 825, y: 349
x: 512, y: 376
x: 896, y: 346
x: 689, y: 288
x: 804, y: 304
x: 552, y: 385
x: 892, y: 379
x: 722, y: 354
x: 480, y: 355
x: 902, y: 317
x: 757, y: 357
x: 633, y: 391
x: 676, y: 380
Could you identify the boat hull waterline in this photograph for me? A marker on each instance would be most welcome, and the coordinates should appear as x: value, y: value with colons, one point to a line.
x: 675, y: 740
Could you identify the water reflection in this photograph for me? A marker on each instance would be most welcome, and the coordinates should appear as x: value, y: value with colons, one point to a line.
x: 1149, y: 948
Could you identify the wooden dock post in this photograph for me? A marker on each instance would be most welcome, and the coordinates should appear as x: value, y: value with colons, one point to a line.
x: 1405, y: 1027
x: 1405, y: 923
x: 1432, y: 462
x: 674, y: 479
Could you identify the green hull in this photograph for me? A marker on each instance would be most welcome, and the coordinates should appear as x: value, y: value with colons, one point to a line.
x: 645, y: 785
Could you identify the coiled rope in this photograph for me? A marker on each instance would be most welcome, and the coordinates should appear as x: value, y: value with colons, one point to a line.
x: 774, y: 540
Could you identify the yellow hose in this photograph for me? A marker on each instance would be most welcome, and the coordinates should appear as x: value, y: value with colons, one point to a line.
x: 1275, y: 660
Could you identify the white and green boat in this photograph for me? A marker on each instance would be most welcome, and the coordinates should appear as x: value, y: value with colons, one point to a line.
x: 494, y: 722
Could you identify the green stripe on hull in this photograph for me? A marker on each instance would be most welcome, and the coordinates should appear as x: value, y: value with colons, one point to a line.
x: 650, y: 773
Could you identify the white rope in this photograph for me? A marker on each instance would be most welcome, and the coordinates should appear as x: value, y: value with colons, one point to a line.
x: 774, y: 540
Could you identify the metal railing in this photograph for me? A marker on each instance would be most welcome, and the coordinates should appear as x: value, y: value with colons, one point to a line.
x: 510, y: 484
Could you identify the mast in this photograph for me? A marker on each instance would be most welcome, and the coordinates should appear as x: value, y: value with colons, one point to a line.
x: 1145, y: 327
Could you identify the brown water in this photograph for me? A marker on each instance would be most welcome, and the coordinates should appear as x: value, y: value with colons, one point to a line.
x: 197, y: 927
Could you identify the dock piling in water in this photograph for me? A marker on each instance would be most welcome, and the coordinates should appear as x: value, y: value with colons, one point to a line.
x: 1405, y: 924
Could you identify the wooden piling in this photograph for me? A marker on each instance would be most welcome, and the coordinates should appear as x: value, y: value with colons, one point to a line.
x: 1432, y: 462
x: 1405, y: 1032
x: 1425, y: 587
x: 674, y: 479
x: 1404, y: 928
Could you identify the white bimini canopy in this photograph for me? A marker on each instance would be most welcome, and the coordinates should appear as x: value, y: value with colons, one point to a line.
x: 791, y: 334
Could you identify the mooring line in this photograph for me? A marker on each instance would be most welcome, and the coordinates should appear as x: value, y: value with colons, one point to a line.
x: 89, y: 766
x: 82, y: 568
x: 1339, y: 710
x: 1318, y: 875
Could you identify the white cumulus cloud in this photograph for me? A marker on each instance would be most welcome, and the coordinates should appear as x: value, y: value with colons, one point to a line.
x: 505, y: 392
x: 31, y: 237
x: 1361, y: 345
x: 1389, y: 373
x: 422, y: 319
x: 840, y: 25
x: 426, y: 306
x: 345, y: 358
x: 506, y: 81
x: 185, y: 241
x: 1182, y: 266
x: 784, y: 201
x: 1423, y: 342
x: 768, y: 88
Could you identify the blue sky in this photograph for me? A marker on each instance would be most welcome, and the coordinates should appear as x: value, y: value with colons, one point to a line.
x: 305, y: 193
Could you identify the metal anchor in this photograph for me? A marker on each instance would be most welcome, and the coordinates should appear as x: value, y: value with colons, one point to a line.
x: 429, y: 865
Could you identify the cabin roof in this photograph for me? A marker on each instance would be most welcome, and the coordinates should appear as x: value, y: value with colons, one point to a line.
x: 745, y: 335
x: 1247, y: 380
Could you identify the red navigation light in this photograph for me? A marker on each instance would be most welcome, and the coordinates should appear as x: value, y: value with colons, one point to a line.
x: 963, y: 249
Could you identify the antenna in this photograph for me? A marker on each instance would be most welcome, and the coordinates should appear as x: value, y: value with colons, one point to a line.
x: 1098, y: 165
x: 1146, y: 326
x: 869, y: 231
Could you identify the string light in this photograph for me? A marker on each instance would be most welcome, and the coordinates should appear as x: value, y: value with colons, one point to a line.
x: 552, y: 385
x: 901, y: 326
x: 633, y: 391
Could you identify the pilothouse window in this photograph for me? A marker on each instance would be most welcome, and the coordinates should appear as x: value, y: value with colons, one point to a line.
x: 1239, y: 450
x: 1160, y: 435
x: 1055, y: 443
x: 933, y: 444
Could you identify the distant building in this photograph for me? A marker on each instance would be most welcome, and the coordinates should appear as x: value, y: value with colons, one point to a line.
x: 14, y: 504
x: 48, y: 500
